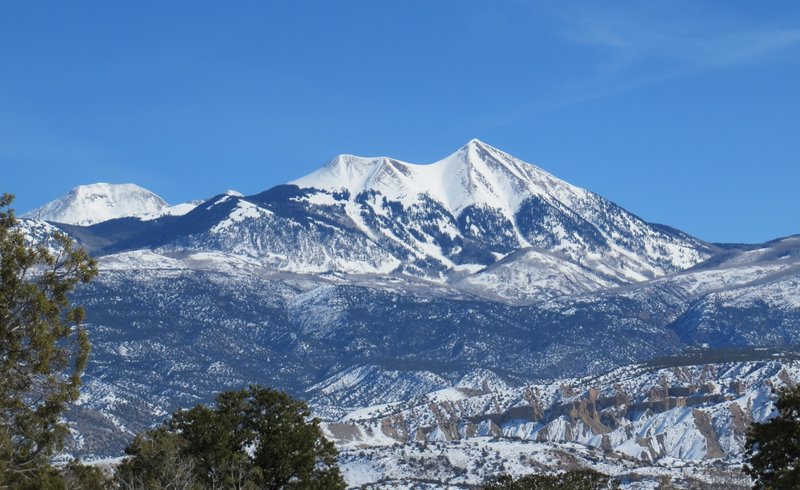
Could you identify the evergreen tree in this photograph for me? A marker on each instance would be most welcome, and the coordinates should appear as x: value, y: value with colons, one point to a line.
x: 78, y: 476
x: 157, y: 460
x: 43, y: 349
x: 580, y: 479
x: 773, y: 447
x: 253, y: 438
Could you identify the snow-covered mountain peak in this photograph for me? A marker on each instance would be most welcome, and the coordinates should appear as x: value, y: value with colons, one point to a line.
x: 94, y: 203
x: 480, y: 193
x: 343, y: 172
x: 479, y: 173
x: 476, y: 173
x: 474, y: 147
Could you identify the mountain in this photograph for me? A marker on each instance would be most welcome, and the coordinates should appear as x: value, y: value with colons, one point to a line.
x: 440, y: 222
x: 480, y: 203
x: 94, y: 203
x: 373, y: 281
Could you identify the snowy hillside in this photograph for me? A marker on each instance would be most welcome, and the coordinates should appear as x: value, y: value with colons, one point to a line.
x: 214, y: 320
x: 637, y: 420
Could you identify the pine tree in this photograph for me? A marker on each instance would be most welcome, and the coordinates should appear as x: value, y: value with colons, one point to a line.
x: 253, y: 438
x: 773, y: 447
x: 43, y: 349
x: 577, y: 479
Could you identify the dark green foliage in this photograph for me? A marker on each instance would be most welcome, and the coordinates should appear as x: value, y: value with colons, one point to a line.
x: 41, y: 477
x: 157, y: 460
x: 43, y: 350
x: 253, y: 438
x: 697, y: 356
x: 773, y: 447
x: 582, y: 479
x: 78, y: 476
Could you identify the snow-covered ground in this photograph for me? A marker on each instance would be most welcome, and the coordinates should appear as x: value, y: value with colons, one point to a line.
x: 467, y: 463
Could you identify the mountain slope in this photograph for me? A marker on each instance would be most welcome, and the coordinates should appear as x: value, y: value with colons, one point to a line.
x: 534, y: 275
x: 213, y: 321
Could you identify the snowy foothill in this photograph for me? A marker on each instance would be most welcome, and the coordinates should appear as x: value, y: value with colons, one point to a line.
x: 687, y: 422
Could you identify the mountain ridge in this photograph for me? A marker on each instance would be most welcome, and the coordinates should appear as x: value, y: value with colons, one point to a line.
x: 438, y: 221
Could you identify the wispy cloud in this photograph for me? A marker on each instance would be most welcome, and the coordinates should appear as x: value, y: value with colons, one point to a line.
x: 603, y: 49
x: 636, y: 47
x: 631, y: 40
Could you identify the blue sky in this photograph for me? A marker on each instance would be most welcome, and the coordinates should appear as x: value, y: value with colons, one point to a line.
x: 685, y: 113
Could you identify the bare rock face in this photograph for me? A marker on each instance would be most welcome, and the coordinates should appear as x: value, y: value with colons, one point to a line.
x: 702, y: 421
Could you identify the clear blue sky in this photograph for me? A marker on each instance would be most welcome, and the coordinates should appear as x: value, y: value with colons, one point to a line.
x: 686, y: 113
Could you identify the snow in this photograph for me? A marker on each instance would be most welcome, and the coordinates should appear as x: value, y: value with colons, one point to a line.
x: 469, y: 463
x: 535, y: 275
x: 477, y: 173
x: 447, y: 394
x: 164, y: 261
x: 94, y: 203
x: 138, y: 259
x: 479, y: 176
x: 244, y: 210
x: 322, y: 199
x: 176, y: 210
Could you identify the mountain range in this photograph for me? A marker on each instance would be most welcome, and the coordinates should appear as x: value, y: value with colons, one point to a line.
x: 373, y: 281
